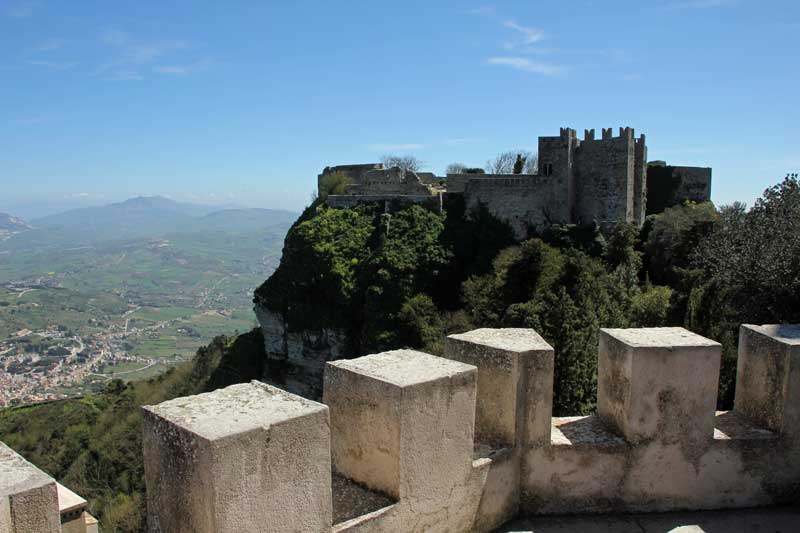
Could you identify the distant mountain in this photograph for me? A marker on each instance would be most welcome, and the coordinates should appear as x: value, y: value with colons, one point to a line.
x: 238, y: 219
x: 144, y: 216
x: 11, y: 225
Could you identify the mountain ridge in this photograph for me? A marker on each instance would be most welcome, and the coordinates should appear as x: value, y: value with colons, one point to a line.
x: 144, y: 216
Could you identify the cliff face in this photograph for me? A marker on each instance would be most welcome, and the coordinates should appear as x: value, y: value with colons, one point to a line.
x: 296, y: 359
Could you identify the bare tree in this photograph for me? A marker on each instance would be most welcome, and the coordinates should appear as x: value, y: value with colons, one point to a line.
x: 405, y: 162
x: 504, y: 162
x: 455, y: 168
x: 531, y: 163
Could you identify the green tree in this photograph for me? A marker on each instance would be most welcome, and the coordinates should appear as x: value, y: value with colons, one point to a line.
x: 334, y: 183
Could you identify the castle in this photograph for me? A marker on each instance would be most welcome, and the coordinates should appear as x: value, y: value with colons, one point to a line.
x: 578, y: 181
x: 406, y: 441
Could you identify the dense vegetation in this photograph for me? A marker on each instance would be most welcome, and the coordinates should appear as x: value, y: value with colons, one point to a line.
x: 355, y: 269
x: 409, y: 276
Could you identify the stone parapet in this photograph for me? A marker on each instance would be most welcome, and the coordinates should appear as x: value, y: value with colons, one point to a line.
x: 467, y: 442
x: 28, y: 496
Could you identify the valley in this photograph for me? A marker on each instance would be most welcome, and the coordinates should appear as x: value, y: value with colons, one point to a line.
x: 77, y: 311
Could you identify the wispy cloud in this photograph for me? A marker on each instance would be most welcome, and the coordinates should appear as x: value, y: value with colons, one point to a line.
x: 389, y: 147
x: 133, y: 57
x: 481, y: 10
x: 77, y: 195
x: 53, y: 65
x: 30, y: 121
x: 527, y: 65
x: 699, y: 4
x: 181, y: 70
x: 122, y: 75
x: 632, y: 76
x: 49, y: 45
x: 21, y: 10
x: 527, y: 35
x: 114, y: 37
x: 459, y: 141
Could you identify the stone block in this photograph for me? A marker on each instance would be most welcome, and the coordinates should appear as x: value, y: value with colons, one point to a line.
x: 28, y: 496
x: 768, y: 377
x: 402, y: 422
x: 658, y: 383
x: 515, y: 383
x: 249, y: 457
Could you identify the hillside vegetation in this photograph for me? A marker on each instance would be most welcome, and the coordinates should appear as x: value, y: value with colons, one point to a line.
x: 93, y: 444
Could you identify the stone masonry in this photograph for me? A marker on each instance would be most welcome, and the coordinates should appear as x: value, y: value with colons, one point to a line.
x: 407, y: 441
x: 579, y: 181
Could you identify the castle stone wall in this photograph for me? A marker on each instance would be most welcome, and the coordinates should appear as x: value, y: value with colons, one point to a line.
x: 521, y: 200
x: 390, y: 201
x: 640, y: 181
x: 556, y: 161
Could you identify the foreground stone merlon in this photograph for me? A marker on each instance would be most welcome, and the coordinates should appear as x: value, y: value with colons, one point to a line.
x: 28, y: 496
x: 514, y: 365
x: 658, y: 383
x: 514, y: 406
x: 768, y: 377
x: 400, y: 418
x: 402, y: 423
x: 249, y: 457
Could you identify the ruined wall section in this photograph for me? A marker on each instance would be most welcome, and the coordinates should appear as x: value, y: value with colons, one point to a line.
x: 354, y: 172
x: 669, y: 185
x: 604, y: 174
x: 389, y: 181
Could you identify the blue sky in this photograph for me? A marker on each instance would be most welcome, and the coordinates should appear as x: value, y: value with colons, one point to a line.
x: 245, y: 102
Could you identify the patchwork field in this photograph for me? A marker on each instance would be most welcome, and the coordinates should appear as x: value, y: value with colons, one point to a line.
x: 73, y: 318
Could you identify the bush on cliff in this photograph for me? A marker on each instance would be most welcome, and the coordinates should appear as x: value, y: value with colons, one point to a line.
x: 355, y: 269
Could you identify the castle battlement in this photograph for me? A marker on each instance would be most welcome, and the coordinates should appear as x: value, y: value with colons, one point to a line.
x: 407, y: 441
x: 588, y: 181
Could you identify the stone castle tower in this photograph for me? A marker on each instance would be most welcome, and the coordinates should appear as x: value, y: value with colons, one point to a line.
x: 601, y: 180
